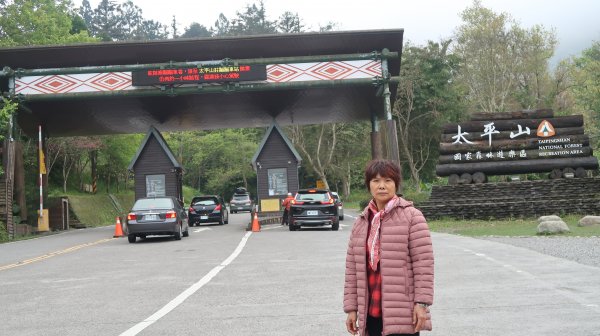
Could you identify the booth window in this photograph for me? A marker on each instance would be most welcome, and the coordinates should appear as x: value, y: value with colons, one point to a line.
x: 277, y: 181
x: 155, y: 185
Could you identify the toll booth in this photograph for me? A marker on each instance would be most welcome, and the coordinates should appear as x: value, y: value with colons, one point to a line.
x: 157, y: 172
x: 276, y: 163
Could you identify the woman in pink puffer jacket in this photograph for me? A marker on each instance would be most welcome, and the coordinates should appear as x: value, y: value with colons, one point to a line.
x: 389, y: 264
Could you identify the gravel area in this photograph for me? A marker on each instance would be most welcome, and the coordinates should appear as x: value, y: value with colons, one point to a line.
x: 584, y: 250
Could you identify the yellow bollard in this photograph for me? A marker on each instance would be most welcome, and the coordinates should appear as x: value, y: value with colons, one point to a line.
x: 43, y: 222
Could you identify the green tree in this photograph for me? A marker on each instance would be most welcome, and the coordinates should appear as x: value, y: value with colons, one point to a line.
x: 222, y: 26
x: 119, y: 22
x: 197, y: 30
x: 38, y: 22
x: 216, y: 161
x: 585, y: 89
x: 7, y: 109
x: 427, y: 97
x: 105, y: 22
x: 504, y: 65
x: 114, y: 157
x: 353, y: 150
x: 86, y: 13
x: 290, y: 23
x: 251, y: 21
x: 533, y: 79
x: 317, y: 144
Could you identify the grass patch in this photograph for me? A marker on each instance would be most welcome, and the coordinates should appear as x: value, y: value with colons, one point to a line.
x: 507, y: 227
x: 94, y: 210
x: 353, y: 201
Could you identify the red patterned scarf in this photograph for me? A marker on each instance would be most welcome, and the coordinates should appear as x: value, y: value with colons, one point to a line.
x: 373, y: 242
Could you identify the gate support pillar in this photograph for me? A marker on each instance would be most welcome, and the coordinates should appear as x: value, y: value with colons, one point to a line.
x: 375, y: 138
x: 392, y: 135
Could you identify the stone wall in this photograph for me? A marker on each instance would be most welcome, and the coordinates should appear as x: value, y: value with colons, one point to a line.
x: 515, y: 199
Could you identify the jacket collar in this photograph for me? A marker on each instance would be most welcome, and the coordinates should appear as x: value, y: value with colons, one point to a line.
x: 402, y: 204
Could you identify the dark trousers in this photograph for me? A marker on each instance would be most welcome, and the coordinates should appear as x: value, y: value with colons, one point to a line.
x: 375, y: 326
x: 285, y: 219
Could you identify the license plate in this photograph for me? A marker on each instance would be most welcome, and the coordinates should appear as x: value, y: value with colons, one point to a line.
x: 203, y: 217
x: 312, y: 212
x: 151, y: 217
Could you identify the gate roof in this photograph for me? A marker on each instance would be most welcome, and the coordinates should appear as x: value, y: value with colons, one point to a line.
x: 135, y: 114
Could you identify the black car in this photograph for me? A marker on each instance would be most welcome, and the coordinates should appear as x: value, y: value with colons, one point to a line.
x: 313, y: 207
x: 208, y: 209
x: 157, y: 216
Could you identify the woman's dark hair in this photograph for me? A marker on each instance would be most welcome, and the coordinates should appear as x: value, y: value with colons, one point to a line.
x: 383, y: 168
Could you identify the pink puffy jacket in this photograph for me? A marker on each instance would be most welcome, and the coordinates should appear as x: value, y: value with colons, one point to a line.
x: 406, y: 262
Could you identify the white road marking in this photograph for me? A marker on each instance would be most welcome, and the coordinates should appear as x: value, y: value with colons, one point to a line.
x: 202, y: 229
x: 277, y: 226
x: 136, y: 329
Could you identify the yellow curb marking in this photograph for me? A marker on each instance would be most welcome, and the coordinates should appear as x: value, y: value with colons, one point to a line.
x: 52, y: 254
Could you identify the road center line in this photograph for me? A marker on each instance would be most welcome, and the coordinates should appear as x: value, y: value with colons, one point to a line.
x: 136, y: 329
x: 52, y: 254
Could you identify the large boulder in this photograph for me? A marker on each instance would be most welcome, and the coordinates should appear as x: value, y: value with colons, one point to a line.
x: 589, y: 221
x: 552, y: 227
x: 548, y: 218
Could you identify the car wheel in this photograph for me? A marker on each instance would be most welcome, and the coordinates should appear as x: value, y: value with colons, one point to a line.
x: 234, y: 212
x: 335, y: 226
x: 177, y: 234
x: 186, y: 233
x: 342, y: 217
x: 131, y: 238
x: 191, y: 224
x: 294, y: 228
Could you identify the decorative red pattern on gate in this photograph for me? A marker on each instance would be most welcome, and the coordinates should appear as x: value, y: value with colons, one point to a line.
x: 56, y: 84
x: 282, y: 72
x: 278, y: 73
x: 111, y: 81
x: 118, y: 81
x: 332, y: 70
x: 99, y: 82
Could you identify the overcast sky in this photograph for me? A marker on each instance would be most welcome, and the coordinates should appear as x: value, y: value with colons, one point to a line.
x: 577, y: 22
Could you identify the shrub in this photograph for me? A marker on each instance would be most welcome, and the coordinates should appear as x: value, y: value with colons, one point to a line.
x: 3, y: 233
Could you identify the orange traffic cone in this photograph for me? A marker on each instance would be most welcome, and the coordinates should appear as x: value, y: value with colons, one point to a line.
x: 118, y: 229
x: 255, y: 223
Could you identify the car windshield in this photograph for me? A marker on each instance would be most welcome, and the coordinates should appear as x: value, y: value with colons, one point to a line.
x: 204, y: 201
x: 241, y: 197
x: 313, y: 196
x: 153, y: 203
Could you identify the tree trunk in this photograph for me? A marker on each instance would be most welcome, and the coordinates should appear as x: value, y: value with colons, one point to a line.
x: 67, y: 165
x: 20, y: 180
x: 517, y: 167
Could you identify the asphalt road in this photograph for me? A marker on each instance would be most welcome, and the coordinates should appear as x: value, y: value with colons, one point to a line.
x: 223, y: 280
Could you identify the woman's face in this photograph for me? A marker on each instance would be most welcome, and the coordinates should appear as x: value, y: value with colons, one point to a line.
x: 382, y: 189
